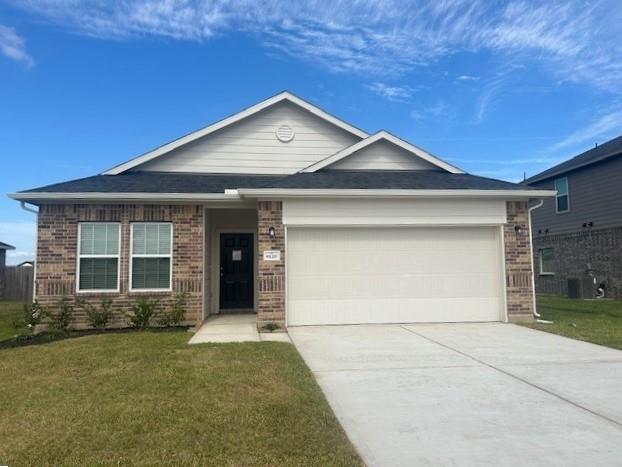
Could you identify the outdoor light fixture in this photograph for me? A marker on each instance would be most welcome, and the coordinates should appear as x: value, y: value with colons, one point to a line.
x: 272, y: 232
x: 518, y: 229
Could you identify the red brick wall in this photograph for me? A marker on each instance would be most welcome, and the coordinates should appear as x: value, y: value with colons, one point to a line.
x: 270, y: 274
x: 57, y: 255
x: 518, y: 274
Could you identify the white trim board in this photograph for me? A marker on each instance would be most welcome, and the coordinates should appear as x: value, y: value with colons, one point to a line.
x: 278, y: 193
x: 283, y: 96
x: 383, y: 136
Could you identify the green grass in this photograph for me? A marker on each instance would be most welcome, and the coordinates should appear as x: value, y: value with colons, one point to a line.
x: 148, y: 398
x: 9, y: 313
x: 597, y: 321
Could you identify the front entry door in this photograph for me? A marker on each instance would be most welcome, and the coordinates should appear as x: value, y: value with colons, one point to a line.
x: 236, y: 271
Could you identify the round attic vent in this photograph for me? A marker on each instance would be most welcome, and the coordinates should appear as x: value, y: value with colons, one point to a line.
x: 284, y: 133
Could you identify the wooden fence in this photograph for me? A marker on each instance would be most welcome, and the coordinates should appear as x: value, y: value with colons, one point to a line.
x: 18, y: 282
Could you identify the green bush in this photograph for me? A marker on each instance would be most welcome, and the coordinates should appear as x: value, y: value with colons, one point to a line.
x: 61, y: 320
x: 175, y: 314
x: 270, y: 326
x: 142, y: 312
x: 98, y: 317
x: 33, y: 315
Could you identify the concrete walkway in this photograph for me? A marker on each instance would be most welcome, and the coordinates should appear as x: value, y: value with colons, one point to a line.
x: 469, y: 394
x: 234, y: 328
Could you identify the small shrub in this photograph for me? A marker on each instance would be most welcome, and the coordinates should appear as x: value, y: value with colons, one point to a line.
x: 98, y: 317
x: 33, y: 315
x: 270, y: 326
x: 61, y: 320
x: 175, y: 314
x: 142, y: 312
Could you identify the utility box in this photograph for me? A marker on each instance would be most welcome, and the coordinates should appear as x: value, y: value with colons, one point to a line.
x: 581, y: 287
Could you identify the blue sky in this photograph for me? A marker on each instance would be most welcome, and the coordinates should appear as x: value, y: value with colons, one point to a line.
x: 499, y: 88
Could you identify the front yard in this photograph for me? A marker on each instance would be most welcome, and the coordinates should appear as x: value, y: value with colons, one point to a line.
x: 597, y: 321
x: 148, y: 398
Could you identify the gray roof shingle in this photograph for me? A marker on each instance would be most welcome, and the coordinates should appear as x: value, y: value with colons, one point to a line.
x: 160, y: 182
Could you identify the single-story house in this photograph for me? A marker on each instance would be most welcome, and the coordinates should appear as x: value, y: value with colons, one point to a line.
x: 289, y: 212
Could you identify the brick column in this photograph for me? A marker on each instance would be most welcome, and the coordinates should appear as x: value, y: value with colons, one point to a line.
x: 270, y: 274
x: 518, y: 274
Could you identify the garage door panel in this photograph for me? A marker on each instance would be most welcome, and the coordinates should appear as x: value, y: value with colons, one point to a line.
x: 417, y: 261
x: 390, y: 310
x: 383, y: 275
x: 391, y: 286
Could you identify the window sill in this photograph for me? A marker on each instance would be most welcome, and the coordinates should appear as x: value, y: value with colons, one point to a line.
x: 546, y: 274
x: 150, y: 291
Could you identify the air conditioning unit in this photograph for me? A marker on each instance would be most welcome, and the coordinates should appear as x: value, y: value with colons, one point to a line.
x: 581, y: 287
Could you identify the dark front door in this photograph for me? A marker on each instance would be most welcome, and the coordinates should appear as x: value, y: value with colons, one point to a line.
x: 236, y: 271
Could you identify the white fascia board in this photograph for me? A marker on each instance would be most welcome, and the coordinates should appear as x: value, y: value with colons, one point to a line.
x: 147, y: 197
x: 368, y: 193
x: 386, y: 136
x: 283, y: 96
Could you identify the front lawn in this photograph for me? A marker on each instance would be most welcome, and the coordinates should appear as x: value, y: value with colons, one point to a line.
x: 597, y: 321
x: 148, y: 398
x: 9, y: 313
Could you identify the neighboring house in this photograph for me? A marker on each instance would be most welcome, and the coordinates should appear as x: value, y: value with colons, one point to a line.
x: 287, y: 211
x: 578, y: 234
x: 3, y: 249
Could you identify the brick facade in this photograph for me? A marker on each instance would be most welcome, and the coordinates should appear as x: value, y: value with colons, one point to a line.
x: 518, y: 274
x: 270, y: 274
x: 57, y: 255
x: 576, y: 255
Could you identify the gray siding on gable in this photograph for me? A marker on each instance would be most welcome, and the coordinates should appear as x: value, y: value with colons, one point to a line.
x: 595, y: 196
x: 250, y: 146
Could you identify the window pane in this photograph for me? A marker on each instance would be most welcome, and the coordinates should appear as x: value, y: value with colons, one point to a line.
x: 164, y: 239
x: 138, y: 235
x: 86, y: 239
x: 562, y: 203
x: 561, y: 185
x: 112, y: 239
x: 151, y: 273
x: 98, y: 273
x: 546, y: 260
x: 151, y: 239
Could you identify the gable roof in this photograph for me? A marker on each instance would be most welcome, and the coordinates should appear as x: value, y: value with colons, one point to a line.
x: 606, y: 150
x: 281, y: 97
x: 6, y: 246
x: 382, y: 136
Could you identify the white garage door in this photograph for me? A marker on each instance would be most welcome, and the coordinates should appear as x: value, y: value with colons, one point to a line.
x: 393, y: 275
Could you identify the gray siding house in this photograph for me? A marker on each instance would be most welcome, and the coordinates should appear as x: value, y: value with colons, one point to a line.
x: 577, y: 236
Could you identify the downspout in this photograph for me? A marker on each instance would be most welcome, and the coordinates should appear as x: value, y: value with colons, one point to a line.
x: 533, y: 274
x: 36, y: 265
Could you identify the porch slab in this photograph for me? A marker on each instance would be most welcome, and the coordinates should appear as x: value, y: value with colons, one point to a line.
x: 233, y: 328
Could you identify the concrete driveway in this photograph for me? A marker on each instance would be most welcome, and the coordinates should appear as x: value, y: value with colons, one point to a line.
x: 469, y: 394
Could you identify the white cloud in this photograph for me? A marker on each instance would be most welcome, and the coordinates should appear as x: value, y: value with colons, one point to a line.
x: 605, y: 127
x: 392, y: 93
x: 468, y: 78
x: 14, y: 46
x: 577, y: 41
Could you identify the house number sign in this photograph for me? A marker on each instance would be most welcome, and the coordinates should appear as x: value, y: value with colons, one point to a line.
x: 272, y: 255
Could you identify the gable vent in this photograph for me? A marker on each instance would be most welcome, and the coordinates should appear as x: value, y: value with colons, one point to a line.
x: 285, y: 133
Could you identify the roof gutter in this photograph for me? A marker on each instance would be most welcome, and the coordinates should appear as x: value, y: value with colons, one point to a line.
x: 391, y: 193
x: 228, y: 195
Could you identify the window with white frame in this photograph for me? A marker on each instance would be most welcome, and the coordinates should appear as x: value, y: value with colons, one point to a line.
x: 98, y: 256
x: 562, y: 199
x: 546, y: 261
x: 151, y: 251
